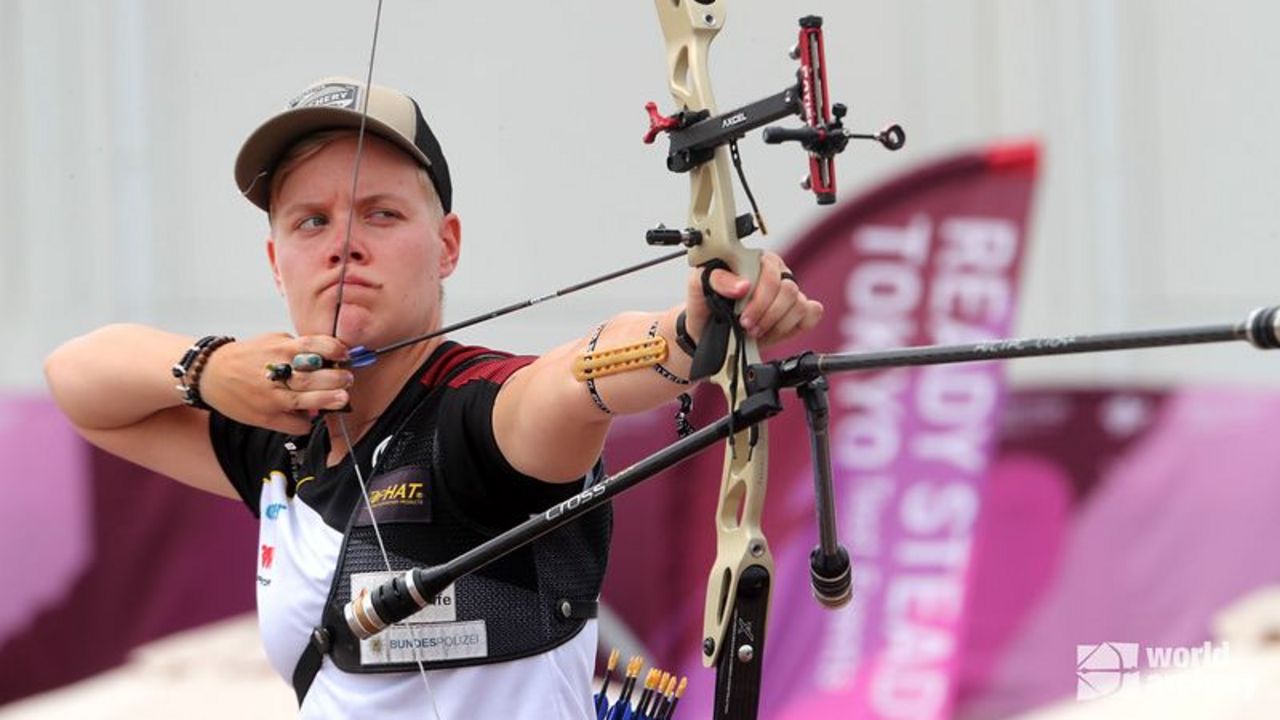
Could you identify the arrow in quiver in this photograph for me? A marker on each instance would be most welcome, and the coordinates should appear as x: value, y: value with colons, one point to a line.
x: 657, y: 700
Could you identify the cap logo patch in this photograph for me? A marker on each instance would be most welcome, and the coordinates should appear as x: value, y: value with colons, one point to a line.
x: 328, y: 95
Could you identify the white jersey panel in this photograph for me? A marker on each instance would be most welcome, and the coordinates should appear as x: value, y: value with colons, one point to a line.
x: 297, y: 554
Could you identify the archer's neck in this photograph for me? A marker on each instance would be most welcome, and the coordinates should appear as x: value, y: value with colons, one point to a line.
x: 375, y: 388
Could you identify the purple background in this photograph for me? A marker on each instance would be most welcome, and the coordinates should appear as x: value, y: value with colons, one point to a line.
x: 101, y: 556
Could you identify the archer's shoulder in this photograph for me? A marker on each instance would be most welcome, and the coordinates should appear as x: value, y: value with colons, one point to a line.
x: 460, y: 364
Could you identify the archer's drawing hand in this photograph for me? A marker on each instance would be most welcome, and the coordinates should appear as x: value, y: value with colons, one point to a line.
x: 237, y: 381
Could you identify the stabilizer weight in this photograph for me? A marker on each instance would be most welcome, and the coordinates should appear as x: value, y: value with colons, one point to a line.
x: 1262, y: 329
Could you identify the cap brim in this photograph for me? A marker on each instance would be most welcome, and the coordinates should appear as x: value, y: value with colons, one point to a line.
x: 264, y: 148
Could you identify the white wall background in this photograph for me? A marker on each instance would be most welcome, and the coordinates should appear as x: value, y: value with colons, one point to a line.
x: 121, y: 120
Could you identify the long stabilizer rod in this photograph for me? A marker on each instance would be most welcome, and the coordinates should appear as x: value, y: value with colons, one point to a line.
x: 1261, y: 329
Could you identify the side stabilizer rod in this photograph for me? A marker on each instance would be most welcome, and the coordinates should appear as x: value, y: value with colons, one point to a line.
x: 1260, y: 329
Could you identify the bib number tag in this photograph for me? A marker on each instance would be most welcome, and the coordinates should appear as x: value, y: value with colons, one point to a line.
x: 432, y: 633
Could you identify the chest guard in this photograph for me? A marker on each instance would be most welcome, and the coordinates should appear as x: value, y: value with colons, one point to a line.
x: 528, y: 602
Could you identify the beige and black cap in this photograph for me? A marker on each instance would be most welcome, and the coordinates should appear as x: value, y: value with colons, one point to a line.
x: 334, y: 104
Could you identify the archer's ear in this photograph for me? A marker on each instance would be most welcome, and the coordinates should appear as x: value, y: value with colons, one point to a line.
x: 450, y: 244
x: 275, y: 267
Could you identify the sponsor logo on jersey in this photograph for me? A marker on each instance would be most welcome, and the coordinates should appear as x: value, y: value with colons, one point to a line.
x: 274, y: 509
x: 268, y: 556
x: 401, y: 493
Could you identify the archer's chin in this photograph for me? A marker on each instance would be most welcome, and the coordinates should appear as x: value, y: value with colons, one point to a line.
x: 356, y: 327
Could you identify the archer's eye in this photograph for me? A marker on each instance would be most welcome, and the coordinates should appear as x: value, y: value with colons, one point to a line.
x: 383, y: 214
x: 312, y: 222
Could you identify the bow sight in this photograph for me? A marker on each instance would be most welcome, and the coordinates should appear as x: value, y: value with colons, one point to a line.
x: 695, y: 135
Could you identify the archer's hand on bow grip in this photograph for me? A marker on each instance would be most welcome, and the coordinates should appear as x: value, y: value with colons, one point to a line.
x: 235, y: 382
x: 777, y: 309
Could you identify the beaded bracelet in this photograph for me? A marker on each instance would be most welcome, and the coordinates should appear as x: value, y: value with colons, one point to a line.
x: 188, y: 370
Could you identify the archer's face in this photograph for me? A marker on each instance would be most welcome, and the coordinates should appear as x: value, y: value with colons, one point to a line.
x: 400, y: 247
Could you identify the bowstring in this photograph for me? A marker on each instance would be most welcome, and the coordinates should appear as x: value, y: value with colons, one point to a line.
x: 337, y: 314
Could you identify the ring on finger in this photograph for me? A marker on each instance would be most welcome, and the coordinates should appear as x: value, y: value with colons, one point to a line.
x: 279, y: 372
x: 307, y: 362
x: 787, y: 275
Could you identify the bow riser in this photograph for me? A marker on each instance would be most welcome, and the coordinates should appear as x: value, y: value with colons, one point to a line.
x: 689, y: 28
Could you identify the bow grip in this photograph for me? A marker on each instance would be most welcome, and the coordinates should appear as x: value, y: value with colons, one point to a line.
x: 714, y: 343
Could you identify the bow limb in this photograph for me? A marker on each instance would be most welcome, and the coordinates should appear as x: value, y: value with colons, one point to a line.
x: 742, y: 550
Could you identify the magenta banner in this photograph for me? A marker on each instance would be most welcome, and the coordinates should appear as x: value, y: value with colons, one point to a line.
x: 931, y: 257
x: 45, y: 517
x: 1125, y: 518
x: 100, y: 556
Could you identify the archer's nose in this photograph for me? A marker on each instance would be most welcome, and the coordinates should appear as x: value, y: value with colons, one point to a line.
x: 346, y: 242
x: 353, y: 254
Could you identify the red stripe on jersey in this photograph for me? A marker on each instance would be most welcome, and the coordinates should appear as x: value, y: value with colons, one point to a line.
x: 496, y: 369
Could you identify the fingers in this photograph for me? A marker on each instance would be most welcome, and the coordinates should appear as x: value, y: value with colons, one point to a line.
x: 723, y: 282
x: 801, y: 318
x: 320, y: 390
x: 772, y: 299
x: 312, y: 386
x: 260, y: 381
x: 329, y: 348
x: 777, y: 308
x: 727, y: 284
x: 310, y: 380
